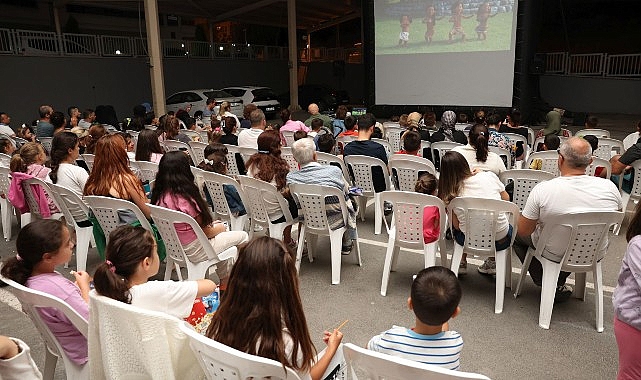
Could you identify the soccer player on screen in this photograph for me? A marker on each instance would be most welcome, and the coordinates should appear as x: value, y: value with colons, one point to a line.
x: 404, y: 37
x: 457, y: 21
x: 482, y: 15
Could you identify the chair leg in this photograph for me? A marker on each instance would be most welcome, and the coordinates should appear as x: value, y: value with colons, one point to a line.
x: 276, y: 230
x: 457, y: 256
x: 311, y: 245
x: 299, y: 249
x: 430, y: 254
x: 625, y: 199
x: 443, y: 253
x: 387, y: 267
x: 524, y: 268
x: 362, y: 205
x: 551, y: 272
x: 83, y: 236
x: 378, y: 214
x: 238, y: 222
x: 336, y: 241
x: 598, y: 296
x: 7, y: 213
x: 395, y: 255
x: 358, y: 251
x: 579, y: 285
x: 50, y: 365
x: 500, y: 280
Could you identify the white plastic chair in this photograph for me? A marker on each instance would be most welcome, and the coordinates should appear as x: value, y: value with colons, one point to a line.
x: 29, y: 187
x: 5, y: 160
x: 635, y: 193
x: 549, y: 161
x: 146, y: 170
x: 219, y: 361
x: 6, y: 206
x: 76, y: 214
x: 289, y: 137
x: 386, y: 145
x: 246, y: 153
x: 193, y: 135
x: 171, y: 145
x: 587, y: 234
x: 88, y: 158
x: 630, y: 140
x: 541, y: 140
x: 393, y: 136
x: 312, y: 202
x: 426, y: 147
x: 406, y: 168
x: 204, y: 136
x: 361, y: 168
x: 31, y: 300
x: 261, y: 197
x: 599, y: 163
x: 607, y: 146
x: 165, y: 220
x: 439, y: 148
x: 128, y: 342
x: 406, y: 230
x: 505, y: 155
x: 341, y: 141
x: 105, y: 210
x: 375, y: 365
x: 214, y: 183
x: 198, y: 149
x: 531, y: 136
x: 480, y: 216
x: 46, y: 143
x: 232, y: 165
x: 599, y: 133
x: 513, y: 139
x: 330, y: 159
x: 524, y: 181
x: 287, y: 155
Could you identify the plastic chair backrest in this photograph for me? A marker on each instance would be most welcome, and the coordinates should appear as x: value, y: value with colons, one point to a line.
x: 408, y: 217
x: 480, y: 216
x: 540, y: 140
x: 287, y: 155
x: 204, y: 136
x: 426, y: 148
x: 439, y: 148
x: 105, y: 210
x: 330, y: 159
x: 375, y: 365
x: 193, y: 135
x: 586, y: 243
x: 514, y: 138
x: 393, y: 136
x: 549, y: 161
x: 259, y: 195
x: 341, y: 141
x: 223, y: 362
x: 386, y: 145
x: 505, y: 155
x: 524, y: 181
x: 312, y: 202
x: 29, y: 187
x: 31, y: 300
x: 599, y: 133
x: 232, y: 165
x: 289, y: 137
x: 599, y: 163
x: 146, y: 170
x: 46, y: 143
x: 361, y: 168
x: 531, y: 135
x: 5, y: 160
x: 246, y: 152
x: 5, y: 180
x: 635, y: 193
x: 149, y: 345
x: 198, y: 149
x: 407, y: 168
x: 214, y: 183
x: 88, y: 158
x: 70, y: 203
x: 606, y: 146
x: 165, y: 220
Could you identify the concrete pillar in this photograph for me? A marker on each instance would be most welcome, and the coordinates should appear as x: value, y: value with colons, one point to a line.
x: 293, y: 51
x: 155, y: 57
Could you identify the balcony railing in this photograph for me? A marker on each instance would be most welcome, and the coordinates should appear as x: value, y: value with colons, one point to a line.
x: 593, y: 65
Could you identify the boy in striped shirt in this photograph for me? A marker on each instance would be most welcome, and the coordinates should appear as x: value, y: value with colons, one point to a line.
x: 435, y: 297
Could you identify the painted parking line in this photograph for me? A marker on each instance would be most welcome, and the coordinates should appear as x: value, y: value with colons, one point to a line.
x: 477, y: 262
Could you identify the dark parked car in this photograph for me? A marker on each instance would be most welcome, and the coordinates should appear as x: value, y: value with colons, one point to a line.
x: 327, y: 98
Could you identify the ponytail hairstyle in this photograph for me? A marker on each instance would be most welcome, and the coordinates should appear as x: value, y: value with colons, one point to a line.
x: 95, y: 133
x: 27, y: 155
x: 426, y: 184
x: 34, y: 240
x: 215, y: 158
x: 479, y: 137
x: 230, y: 124
x: 60, y: 146
x: 454, y: 171
x: 127, y: 247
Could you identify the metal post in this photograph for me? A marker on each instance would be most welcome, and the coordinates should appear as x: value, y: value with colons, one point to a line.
x: 293, y: 52
x: 56, y: 21
x: 155, y: 56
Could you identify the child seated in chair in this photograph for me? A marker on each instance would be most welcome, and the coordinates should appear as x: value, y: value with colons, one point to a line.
x: 434, y: 299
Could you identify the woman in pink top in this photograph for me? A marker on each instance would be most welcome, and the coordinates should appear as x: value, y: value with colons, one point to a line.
x: 30, y: 159
x: 42, y: 245
x: 175, y: 189
x: 290, y: 125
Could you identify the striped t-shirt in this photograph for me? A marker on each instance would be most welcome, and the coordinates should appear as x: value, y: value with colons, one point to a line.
x: 442, y: 349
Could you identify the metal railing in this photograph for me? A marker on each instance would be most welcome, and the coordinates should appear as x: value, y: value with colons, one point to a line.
x: 593, y: 65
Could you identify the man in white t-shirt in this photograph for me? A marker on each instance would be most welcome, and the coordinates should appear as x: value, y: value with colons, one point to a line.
x: 572, y: 192
x: 248, y: 138
x: 5, y: 120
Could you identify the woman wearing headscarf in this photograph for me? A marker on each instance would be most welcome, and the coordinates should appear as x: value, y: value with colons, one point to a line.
x: 447, y: 132
x: 553, y: 125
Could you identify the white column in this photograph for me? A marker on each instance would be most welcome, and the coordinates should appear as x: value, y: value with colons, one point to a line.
x: 293, y: 51
x: 155, y: 57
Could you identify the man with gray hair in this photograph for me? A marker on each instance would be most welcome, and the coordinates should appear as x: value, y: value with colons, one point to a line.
x: 44, y: 128
x: 572, y: 192
x: 313, y: 173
